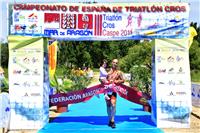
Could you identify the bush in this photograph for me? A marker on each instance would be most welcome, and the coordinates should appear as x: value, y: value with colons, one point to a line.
x: 141, y: 77
x: 71, y: 80
x: 138, y: 63
x: 79, y: 82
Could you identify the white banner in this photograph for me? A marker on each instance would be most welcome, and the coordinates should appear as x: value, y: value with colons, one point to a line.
x: 4, y: 110
x: 114, y: 21
x: 196, y: 95
x: 172, y: 97
x: 26, y: 82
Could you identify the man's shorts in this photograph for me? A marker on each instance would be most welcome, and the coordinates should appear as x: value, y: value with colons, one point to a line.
x: 113, y: 95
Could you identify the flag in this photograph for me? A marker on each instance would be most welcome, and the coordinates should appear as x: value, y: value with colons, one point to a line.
x: 192, y: 34
x: 52, y: 58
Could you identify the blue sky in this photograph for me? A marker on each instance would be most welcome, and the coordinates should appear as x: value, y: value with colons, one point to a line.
x: 194, y: 9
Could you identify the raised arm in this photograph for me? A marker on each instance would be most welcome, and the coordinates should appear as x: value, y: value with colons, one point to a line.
x: 119, y: 79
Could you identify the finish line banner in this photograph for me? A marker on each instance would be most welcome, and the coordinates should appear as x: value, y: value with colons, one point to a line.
x: 115, y: 21
x: 87, y: 93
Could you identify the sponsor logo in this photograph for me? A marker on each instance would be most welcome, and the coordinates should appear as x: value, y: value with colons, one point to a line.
x: 68, y: 21
x: 14, y: 60
x: 16, y: 84
x: 98, y: 25
x: 171, y: 70
x: 35, y: 84
x: 52, y: 20
x: 35, y: 94
x: 19, y: 28
x: 32, y: 17
x: 180, y: 93
x: 27, y: 72
x: 85, y: 21
x: 26, y: 84
x: 171, y: 82
x: 180, y: 71
x: 32, y: 94
x: 158, y: 50
x: 178, y: 58
x: 34, y: 60
x: 26, y: 60
x: 180, y: 82
x: 18, y: 17
x: 26, y: 95
x: 163, y: 49
x: 80, y: 32
x: 17, y: 71
x: 34, y: 29
x: 33, y: 26
x: 171, y: 94
x: 170, y: 59
x: 162, y: 83
x: 178, y: 49
x: 160, y: 58
x: 51, y: 17
x: 35, y: 72
x: 161, y: 70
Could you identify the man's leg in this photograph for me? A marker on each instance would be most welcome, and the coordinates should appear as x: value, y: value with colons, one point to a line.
x: 113, y: 109
x: 113, y: 112
x: 108, y: 106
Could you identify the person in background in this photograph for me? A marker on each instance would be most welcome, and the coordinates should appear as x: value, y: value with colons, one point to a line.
x: 90, y: 73
x: 103, y: 76
x: 103, y: 73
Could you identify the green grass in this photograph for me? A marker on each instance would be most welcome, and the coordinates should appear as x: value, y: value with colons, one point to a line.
x: 95, y: 69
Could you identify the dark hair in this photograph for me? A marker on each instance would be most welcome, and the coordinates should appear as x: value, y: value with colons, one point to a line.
x: 103, y: 61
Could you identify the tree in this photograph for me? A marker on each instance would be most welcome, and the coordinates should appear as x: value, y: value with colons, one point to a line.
x: 88, y: 53
x: 194, y: 51
x: 73, y: 53
x: 109, y: 50
x: 138, y: 63
x: 4, y: 54
x: 138, y: 55
x: 194, y: 55
x: 98, y: 51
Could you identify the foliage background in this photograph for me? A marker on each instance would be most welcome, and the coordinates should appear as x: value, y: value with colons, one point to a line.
x: 134, y: 57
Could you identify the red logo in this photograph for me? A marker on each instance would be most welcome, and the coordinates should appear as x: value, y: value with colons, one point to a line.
x: 51, y: 18
x: 85, y: 21
x: 68, y: 21
x: 98, y: 25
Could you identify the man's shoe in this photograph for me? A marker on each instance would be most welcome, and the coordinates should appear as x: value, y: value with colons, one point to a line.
x: 113, y: 125
x: 110, y: 124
